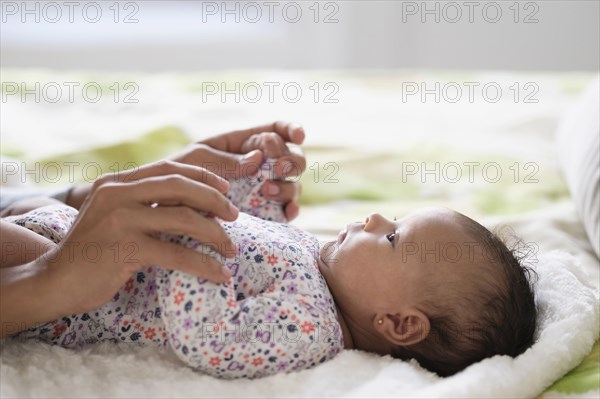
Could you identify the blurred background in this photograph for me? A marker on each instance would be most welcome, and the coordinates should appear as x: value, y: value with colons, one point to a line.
x: 387, y: 92
x: 195, y: 35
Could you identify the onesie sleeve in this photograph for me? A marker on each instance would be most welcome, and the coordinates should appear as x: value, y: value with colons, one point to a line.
x: 245, y: 194
x: 275, y: 331
x: 51, y: 221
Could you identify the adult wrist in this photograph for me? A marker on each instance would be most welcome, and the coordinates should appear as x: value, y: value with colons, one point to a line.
x: 28, y: 298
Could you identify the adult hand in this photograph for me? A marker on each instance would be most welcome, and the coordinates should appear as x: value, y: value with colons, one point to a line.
x: 240, y: 153
x: 115, y: 232
x: 226, y: 155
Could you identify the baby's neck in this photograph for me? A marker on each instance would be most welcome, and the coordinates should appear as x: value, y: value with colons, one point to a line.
x: 348, y: 340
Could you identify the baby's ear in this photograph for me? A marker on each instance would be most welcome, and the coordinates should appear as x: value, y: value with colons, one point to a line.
x: 407, y: 328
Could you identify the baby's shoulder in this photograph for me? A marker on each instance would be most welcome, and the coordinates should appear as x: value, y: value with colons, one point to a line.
x: 248, y: 229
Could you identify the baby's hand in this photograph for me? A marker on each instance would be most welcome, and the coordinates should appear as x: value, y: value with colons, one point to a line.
x: 287, y: 163
x: 290, y: 162
x: 247, y: 194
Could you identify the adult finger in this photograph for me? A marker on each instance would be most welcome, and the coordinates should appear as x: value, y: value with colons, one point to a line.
x: 233, y: 141
x: 183, y: 221
x: 171, y: 190
x: 177, y: 257
x: 167, y: 167
x: 224, y: 164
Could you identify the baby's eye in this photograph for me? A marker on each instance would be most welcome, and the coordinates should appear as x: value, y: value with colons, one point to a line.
x: 391, y: 237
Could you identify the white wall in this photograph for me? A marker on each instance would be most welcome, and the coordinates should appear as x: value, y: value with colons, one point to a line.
x: 191, y: 35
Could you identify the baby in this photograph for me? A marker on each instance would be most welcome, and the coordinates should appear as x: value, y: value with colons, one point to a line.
x: 435, y: 286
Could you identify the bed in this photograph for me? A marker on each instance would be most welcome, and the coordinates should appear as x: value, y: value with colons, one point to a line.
x: 371, y: 140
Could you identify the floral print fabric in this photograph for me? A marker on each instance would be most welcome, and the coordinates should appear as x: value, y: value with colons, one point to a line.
x: 275, y: 314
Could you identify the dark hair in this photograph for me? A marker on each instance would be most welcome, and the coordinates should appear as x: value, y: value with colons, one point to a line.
x: 498, y: 319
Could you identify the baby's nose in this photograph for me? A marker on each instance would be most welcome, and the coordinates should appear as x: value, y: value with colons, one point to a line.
x: 373, y: 219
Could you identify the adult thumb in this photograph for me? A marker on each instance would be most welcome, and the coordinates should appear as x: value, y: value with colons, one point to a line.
x: 232, y: 166
x: 250, y: 163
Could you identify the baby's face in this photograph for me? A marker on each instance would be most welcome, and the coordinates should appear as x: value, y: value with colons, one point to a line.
x: 379, y: 265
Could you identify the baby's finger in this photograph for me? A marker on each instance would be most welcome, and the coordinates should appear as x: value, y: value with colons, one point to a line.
x: 274, y: 146
x: 288, y: 131
x: 282, y: 191
x: 291, y: 211
x: 177, y: 257
x: 271, y: 144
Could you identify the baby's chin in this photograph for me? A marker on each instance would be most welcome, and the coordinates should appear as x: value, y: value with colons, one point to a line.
x: 326, y: 253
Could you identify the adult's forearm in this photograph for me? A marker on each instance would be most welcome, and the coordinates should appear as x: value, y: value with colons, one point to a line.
x: 26, y: 294
x: 20, y: 245
x: 26, y: 298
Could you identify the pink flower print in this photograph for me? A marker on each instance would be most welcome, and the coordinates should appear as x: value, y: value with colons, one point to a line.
x: 255, y: 202
x: 308, y: 327
x: 179, y: 297
x: 129, y: 285
x: 257, y: 361
x: 59, y: 329
x: 272, y: 260
x: 150, y: 333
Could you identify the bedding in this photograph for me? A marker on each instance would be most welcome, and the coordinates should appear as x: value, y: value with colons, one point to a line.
x: 362, y: 153
x: 578, y: 139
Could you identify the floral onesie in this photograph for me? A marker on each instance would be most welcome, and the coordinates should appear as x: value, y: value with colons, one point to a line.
x: 275, y: 314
